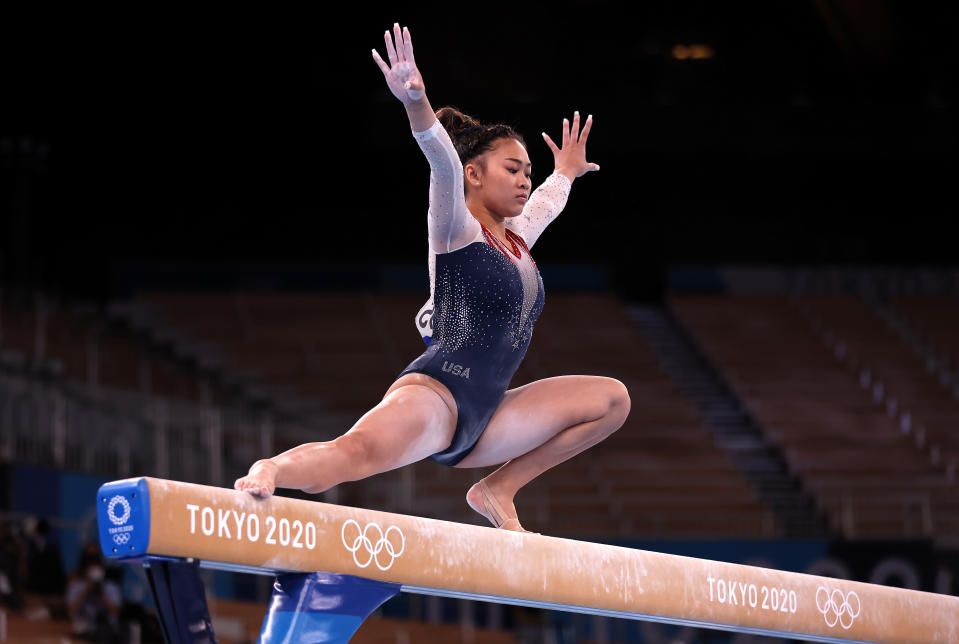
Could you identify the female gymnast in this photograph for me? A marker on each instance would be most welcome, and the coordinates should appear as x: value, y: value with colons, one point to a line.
x: 451, y: 403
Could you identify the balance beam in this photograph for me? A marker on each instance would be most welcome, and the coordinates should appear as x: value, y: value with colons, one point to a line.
x: 230, y: 530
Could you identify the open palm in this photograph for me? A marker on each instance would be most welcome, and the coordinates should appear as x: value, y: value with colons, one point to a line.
x: 570, y: 156
x: 402, y: 76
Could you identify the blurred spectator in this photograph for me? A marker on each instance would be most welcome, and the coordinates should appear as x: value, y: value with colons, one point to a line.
x: 45, y: 565
x: 93, y: 601
x: 12, y: 566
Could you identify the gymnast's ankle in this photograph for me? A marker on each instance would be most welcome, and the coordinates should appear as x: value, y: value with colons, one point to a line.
x: 264, y: 463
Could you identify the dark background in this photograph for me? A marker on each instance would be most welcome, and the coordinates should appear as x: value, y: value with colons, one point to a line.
x: 821, y: 131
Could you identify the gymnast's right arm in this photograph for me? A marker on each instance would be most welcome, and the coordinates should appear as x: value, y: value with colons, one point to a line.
x: 450, y: 226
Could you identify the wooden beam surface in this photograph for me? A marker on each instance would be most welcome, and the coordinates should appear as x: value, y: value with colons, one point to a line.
x: 177, y: 519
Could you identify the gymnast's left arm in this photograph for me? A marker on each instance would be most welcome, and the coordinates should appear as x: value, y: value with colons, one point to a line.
x: 549, y: 199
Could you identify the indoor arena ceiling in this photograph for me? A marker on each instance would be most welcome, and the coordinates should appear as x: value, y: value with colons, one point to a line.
x: 752, y: 130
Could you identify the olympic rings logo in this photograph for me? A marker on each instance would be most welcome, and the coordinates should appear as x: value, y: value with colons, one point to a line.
x: 124, y: 509
x: 122, y: 538
x: 838, y: 608
x: 380, y: 543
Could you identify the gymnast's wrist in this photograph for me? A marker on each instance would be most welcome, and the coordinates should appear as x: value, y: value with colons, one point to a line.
x: 566, y: 172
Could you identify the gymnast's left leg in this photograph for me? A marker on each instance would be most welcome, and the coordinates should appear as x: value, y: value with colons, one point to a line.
x: 538, y: 426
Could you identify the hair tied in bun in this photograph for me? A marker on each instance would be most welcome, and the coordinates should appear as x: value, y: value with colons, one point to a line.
x: 463, y: 133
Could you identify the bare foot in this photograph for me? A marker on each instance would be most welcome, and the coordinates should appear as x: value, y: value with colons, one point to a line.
x: 500, y: 512
x: 260, y: 481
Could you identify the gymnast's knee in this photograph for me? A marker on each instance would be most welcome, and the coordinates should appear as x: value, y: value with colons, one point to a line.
x: 618, y: 402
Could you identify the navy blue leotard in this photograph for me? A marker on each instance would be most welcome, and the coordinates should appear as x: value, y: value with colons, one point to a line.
x: 483, y: 320
x: 485, y: 295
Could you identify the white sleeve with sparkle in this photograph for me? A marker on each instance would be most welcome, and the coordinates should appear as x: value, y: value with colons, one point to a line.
x: 449, y: 223
x: 544, y: 205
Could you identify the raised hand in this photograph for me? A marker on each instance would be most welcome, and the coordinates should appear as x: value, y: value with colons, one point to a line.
x: 402, y: 76
x: 570, y: 159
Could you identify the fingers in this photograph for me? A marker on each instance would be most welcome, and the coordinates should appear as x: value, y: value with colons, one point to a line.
x: 390, y: 50
x: 399, y: 47
x: 414, y: 87
x: 572, y: 156
x: 549, y: 142
x: 571, y: 131
x: 586, y: 128
x: 408, y: 45
x: 398, y: 39
x: 379, y: 61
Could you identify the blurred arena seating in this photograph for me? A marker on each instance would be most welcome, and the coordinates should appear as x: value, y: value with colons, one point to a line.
x: 930, y: 324
x: 910, y: 387
x: 93, y: 391
x: 198, y: 385
x: 790, y: 361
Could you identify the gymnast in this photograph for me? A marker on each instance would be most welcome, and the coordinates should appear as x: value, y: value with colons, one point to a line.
x: 452, y: 404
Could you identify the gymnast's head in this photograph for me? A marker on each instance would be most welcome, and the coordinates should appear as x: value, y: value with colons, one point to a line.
x: 496, y: 167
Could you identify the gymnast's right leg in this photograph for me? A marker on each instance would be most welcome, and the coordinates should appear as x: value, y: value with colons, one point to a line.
x: 415, y: 419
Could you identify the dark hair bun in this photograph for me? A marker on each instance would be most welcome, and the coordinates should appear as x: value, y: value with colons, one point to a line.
x: 454, y: 121
x: 470, y: 137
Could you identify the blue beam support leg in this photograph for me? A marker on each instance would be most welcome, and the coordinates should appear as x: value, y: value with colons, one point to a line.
x: 321, y: 607
x: 180, y: 601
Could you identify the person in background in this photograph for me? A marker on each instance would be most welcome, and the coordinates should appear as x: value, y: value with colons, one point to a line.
x: 93, y: 601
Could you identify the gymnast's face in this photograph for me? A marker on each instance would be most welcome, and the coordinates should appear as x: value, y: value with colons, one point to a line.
x: 501, y: 178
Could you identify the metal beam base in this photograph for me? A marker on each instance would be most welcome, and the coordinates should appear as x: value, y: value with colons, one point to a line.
x: 321, y: 607
x: 180, y: 600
